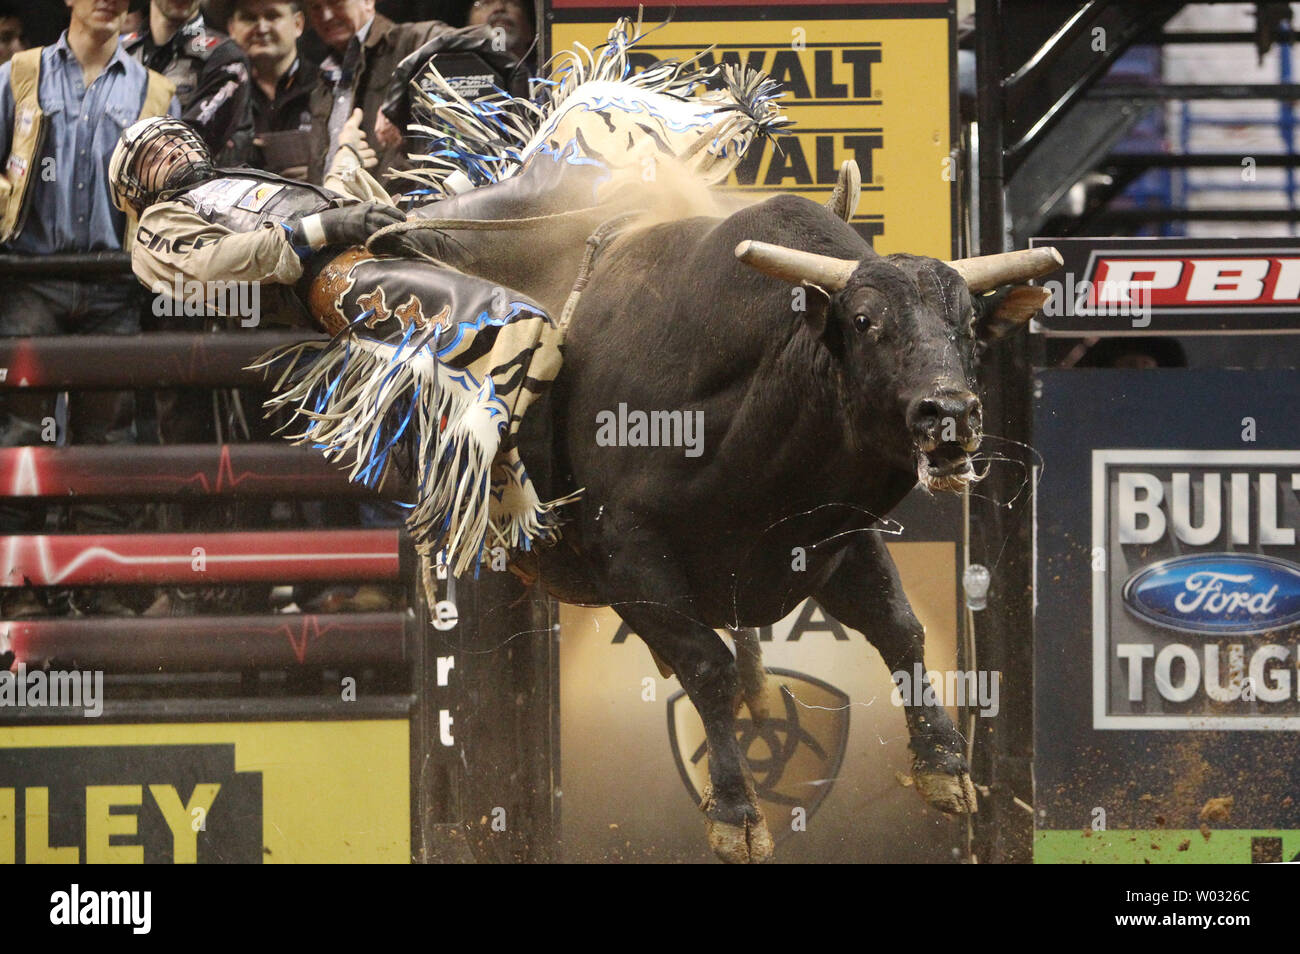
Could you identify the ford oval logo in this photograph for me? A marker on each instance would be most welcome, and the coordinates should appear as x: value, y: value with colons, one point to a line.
x: 1217, y: 593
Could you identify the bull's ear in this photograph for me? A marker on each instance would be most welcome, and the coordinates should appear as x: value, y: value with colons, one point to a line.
x: 814, y: 303
x: 1007, y: 310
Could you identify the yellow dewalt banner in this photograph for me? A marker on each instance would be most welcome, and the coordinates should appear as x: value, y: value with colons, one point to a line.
x: 243, y: 792
x: 874, y: 90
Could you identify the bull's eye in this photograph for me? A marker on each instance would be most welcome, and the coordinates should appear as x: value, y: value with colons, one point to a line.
x: 862, y: 323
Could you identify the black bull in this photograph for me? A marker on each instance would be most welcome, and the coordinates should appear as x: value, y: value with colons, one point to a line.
x: 823, y: 402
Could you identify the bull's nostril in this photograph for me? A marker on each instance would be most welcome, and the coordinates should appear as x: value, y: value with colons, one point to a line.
x: 946, y: 417
x: 929, y: 411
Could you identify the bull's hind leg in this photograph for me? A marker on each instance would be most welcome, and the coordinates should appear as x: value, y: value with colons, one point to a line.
x: 666, y: 622
x: 707, y: 671
x: 865, y: 594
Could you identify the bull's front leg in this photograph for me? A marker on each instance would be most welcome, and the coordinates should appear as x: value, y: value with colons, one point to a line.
x: 663, y: 615
x: 864, y: 593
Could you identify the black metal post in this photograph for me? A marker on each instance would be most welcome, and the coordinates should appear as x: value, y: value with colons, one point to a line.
x: 1000, y: 536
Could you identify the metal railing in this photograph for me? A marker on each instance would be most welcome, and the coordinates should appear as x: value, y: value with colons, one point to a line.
x: 418, y: 672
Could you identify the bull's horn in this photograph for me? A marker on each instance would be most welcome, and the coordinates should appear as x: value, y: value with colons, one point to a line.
x: 794, y: 266
x: 848, y: 189
x: 990, y: 271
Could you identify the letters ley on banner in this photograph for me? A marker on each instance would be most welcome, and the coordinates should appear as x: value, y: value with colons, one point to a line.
x: 870, y: 81
x: 1167, y: 620
x: 1140, y: 286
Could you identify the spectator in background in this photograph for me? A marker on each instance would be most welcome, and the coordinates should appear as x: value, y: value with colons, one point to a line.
x: 213, y: 83
x: 1138, y: 353
x: 365, y: 48
x: 136, y: 20
x: 510, y: 24
x: 514, y: 18
x: 62, y: 110
x: 477, y: 63
x: 57, y: 200
x: 11, y: 32
x: 268, y: 32
x: 210, y: 72
x: 408, y: 11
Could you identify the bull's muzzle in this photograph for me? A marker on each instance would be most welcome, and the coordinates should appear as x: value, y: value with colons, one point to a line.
x: 946, y: 426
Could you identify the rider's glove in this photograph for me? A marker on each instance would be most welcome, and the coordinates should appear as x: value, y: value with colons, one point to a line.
x: 350, y: 225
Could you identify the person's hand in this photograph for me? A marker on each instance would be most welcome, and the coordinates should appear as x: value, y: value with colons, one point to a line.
x: 386, y: 134
x: 352, y: 136
x: 350, y: 225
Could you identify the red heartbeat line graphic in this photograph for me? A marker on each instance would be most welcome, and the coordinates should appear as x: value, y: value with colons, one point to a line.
x: 299, y: 631
x: 30, y: 464
x: 190, y: 364
x: 52, y: 560
x: 226, y: 476
x: 308, y: 628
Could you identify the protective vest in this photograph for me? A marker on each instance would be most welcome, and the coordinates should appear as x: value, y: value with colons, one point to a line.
x: 29, y: 133
x: 244, y: 200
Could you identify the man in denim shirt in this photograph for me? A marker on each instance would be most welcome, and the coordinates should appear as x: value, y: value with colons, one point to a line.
x: 89, y: 91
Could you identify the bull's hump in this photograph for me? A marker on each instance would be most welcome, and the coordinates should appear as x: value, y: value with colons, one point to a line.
x: 795, y: 222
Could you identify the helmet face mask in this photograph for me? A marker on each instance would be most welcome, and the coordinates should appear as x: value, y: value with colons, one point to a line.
x: 153, y: 157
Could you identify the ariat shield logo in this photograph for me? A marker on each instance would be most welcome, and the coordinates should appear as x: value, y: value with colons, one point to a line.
x: 794, y: 754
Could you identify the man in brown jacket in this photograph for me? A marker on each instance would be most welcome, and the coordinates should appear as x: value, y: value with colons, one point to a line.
x: 365, y: 48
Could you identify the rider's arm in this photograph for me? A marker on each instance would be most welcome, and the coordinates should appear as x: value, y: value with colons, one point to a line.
x: 174, y: 241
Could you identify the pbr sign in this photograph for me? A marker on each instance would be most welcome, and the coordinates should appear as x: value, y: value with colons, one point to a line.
x: 1172, y: 286
x: 1196, y: 589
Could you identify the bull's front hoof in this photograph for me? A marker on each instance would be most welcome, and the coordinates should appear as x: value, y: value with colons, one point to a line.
x: 953, y: 794
x: 749, y: 843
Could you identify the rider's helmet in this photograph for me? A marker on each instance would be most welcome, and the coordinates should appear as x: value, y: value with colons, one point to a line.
x: 155, y: 156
